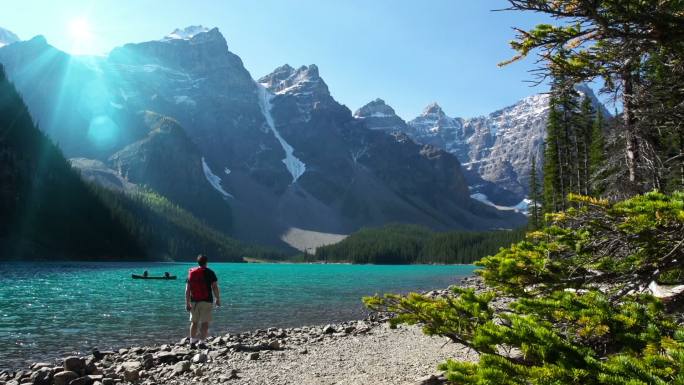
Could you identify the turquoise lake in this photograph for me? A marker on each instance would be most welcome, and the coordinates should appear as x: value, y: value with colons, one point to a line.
x: 48, y: 310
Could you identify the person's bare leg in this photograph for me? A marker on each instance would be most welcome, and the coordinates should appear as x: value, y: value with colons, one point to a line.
x: 193, y: 331
x: 204, y: 330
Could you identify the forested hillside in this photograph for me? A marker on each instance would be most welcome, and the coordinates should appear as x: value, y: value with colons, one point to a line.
x: 167, y: 231
x: 46, y: 210
x: 405, y: 244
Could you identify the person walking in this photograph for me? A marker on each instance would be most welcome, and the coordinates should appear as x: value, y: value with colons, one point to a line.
x: 201, y: 289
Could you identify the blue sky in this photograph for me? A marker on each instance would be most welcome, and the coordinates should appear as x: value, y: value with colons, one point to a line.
x: 408, y: 52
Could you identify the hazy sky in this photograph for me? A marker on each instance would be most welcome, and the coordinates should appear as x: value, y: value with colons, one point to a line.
x: 408, y: 52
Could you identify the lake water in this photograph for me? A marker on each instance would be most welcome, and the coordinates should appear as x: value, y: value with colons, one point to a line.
x: 48, y: 310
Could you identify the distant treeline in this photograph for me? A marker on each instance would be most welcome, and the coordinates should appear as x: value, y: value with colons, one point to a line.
x: 406, y: 244
x: 167, y: 231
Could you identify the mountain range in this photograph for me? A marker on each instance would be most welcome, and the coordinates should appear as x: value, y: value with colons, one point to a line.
x: 496, y: 150
x: 259, y: 158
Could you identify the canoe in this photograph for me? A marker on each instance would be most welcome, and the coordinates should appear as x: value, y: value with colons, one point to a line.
x: 137, y: 276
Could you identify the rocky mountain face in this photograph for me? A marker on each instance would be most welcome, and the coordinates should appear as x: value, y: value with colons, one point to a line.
x: 495, y: 150
x: 7, y: 37
x: 183, y: 116
x: 436, y: 129
x: 168, y: 162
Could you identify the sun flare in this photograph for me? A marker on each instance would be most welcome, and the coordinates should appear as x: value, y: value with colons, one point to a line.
x: 79, y: 30
x: 81, y: 36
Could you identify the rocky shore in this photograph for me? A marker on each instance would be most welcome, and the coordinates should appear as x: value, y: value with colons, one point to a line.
x: 354, y: 352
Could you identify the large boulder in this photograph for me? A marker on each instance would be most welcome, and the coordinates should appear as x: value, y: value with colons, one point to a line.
x: 43, y: 376
x: 64, y: 378
x: 74, y: 364
x: 131, y: 370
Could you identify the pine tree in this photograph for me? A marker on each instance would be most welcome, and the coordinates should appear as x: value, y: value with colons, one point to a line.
x: 553, y: 177
x: 583, y: 136
x: 535, y: 204
x: 612, y: 40
x: 597, y: 147
x: 576, y: 313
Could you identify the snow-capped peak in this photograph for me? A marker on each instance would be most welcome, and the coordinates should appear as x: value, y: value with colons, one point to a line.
x: 433, y: 109
x: 286, y: 79
x: 7, y: 37
x: 186, y: 33
x: 375, y: 109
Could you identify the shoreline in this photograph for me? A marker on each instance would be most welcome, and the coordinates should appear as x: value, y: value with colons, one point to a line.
x: 238, y: 358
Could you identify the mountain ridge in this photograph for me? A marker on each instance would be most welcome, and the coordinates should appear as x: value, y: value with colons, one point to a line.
x: 288, y: 154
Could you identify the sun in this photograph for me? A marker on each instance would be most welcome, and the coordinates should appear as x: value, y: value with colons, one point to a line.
x: 81, y: 36
x: 79, y: 30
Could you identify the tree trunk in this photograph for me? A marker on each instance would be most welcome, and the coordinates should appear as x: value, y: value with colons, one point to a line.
x: 631, y: 149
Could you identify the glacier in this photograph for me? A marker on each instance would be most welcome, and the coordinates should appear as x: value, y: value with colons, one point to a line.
x: 522, y: 206
x: 295, y: 166
x: 214, y: 179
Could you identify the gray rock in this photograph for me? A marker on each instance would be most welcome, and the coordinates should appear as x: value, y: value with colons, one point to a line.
x: 85, y: 380
x: 64, y: 378
x: 253, y: 356
x: 181, y: 367
x: 328, y: 329
x: 218, y: 353
x: 74, y: 364
x: 131, y: 366
x: 40, y: 365
x: 148, y: 363
x: 431, y: 380
x: 42, y: 376
x: 131, y: 376
x: 199, y: 358
x: 97, y: 354
x: 232, y: 374
x: 180, y: 352
x: 131, y: 370
x: 274, y: 345
x: 165, y: 357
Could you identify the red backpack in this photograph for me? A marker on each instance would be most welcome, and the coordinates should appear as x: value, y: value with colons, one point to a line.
x: 199, y: 288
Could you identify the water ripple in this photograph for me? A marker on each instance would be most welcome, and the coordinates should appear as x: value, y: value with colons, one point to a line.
x: 52, y: 309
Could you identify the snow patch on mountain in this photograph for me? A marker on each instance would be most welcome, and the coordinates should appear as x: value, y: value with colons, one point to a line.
x: 214, y: 180
x: 295, y: 166
x: 521, y: 207
x: 185, y: 33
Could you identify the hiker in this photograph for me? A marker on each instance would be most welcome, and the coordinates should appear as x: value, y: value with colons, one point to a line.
x: 200, y: 290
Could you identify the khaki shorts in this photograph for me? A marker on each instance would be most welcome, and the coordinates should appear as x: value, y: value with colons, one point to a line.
x: 201, y: 312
